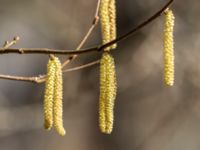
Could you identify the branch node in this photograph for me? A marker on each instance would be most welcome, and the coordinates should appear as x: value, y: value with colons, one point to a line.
x: 96, y: 20
x: 16, y: 38
x: 21, y: 51
x: 5, y: 43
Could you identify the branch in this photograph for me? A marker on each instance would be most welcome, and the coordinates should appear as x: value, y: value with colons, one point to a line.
x: 20, y: 78
x: 82, y: 66
x: 74, y: 53
x: 41, y: 78
x: 89, y: 50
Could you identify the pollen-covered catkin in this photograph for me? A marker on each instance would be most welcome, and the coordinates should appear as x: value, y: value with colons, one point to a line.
x: 58, y: 99
x: 105, y: 22
x: 107, y: 93
x: 49, y: 95
x: 108, y: 22
x: 168, y: 47
x: 112, y: 16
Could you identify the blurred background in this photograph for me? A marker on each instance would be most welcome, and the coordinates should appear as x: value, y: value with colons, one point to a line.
x: 148, y: 115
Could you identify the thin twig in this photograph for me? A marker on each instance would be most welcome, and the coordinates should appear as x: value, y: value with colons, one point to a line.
x: 20, y: 78
x: 88, y: 50
x: 41, y: 78
x: 82, y: 66
x: 8, y: 44
x: 91, y: 29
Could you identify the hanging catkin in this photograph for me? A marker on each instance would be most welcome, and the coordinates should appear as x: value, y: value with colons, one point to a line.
x: 105, y: 22
x: 49, y: 94
x: 168, y: 47
x: 108, y: 22
x: 107, y: 93
x: 112, y: 16
x: 58, y: 99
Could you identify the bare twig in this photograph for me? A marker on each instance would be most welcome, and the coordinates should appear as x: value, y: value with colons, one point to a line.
x: 8, y: 44
x: 91, y: 29
x: 41, y: 78
x: 45, y: 51
x: 20, y: 78
x: 88, y: 50
x: 82, y: 66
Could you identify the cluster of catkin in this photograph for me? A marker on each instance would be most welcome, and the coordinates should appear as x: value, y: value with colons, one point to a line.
x: 53, y: 108
x: 168, y: 47
x: 107, y: 67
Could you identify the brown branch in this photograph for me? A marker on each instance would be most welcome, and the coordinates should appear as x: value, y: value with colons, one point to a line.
x: 88, y: 50
x: 45, y: 51
x: 41, y: 78
x: 20, y: 78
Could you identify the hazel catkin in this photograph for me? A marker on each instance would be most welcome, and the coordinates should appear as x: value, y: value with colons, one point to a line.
x: 58, y: 99
x: 108, y: 22
x: 112, y: 17
x: 107, y: 93
x: 168, y: 47
x: 49, y: 95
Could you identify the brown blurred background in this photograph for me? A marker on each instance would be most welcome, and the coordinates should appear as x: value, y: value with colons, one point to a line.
x: 148, y: 115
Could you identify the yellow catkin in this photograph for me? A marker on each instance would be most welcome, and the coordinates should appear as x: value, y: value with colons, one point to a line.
x: 58, y: 99
x: 49, y: 94
x: 168, y: 48
x: 105, y: 22
x: 107, y: 93
x: 112, y: 16
x: 108, y: 22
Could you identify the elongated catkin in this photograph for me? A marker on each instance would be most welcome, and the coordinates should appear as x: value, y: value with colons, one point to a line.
x: 58, y: 99
x: 105, y: 22
x: 112, y: 17
x: 107, y: 93
x: 108, y: 22
x: 49, y: 95
x: 168, y: 48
